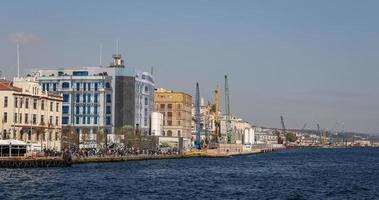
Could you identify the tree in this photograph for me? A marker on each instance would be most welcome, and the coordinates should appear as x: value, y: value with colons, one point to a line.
x: 291, y: 137
x: 100, y: 137
x: 69, y: 137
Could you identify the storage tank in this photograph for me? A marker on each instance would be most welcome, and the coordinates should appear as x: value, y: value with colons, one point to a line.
x: 156, y: 123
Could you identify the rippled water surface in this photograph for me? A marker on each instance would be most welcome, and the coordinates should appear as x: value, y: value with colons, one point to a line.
x: 290, y: 174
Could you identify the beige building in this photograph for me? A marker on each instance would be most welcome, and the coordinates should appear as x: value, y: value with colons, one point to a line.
x: 176, y: 109
x: 29, y: 114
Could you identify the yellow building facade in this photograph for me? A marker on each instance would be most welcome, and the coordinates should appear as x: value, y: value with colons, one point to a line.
x: 176, y: 109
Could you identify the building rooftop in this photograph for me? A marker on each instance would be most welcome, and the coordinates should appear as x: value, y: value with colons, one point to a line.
x: 8, y: 86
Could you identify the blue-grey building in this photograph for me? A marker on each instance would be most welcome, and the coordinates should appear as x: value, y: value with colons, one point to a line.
x: 102, y: 97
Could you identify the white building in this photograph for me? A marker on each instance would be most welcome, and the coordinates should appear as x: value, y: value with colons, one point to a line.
x: 156, y: 124
x: 102, y: 98
x: 30, y: 114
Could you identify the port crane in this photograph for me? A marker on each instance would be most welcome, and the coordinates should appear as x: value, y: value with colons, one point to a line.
x: 197, y: 118
x: 217, y: 120
x: 227, y: 112
x: 283, y: 128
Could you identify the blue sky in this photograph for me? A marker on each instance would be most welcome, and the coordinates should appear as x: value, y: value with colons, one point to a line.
x: 310, y: 61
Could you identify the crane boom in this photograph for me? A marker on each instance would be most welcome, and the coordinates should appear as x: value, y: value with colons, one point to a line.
x: 197, y: 117
x: 283, y: 127
x: 217, y: 108
x: 227, y: 112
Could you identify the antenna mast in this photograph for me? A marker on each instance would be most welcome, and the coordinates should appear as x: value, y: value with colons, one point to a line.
x: 18, y: 60
x: 101, y: 55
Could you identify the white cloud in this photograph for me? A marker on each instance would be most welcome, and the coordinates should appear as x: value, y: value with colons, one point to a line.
x: 23, y: 38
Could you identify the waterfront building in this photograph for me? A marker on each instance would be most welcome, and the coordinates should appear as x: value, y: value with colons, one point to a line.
x: 176, y: 110
x: 265, y: 136
x: 102, y: 98
x: 238, y: 126
x: 156, y: 124
x: 30, y: 114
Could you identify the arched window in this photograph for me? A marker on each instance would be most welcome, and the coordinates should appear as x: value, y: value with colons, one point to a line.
x: 65, y: 85
x: 146, y: 89
x: 169, y: 133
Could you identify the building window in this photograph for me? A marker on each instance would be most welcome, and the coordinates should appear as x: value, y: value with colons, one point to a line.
x: 65, y: 109
x: 108, y: 120
x: 34, y: 103
x: 51, y: 106
x: 83, y: 120
x: 107, y: 85
x: 51, y: 121
x: 57, y: 121
x: 169, y: 123
x: 146, y: 101
x: 95, y: 98
x: 20, y: 119
x: 26, y: 118
x: 88, y: 109
x: 169, y: 133
x: 64, y: 120
x: 95, y: 110
x: 66, y: 97
x: 89, y: 86
x: 108, y: 99
x: 178, y: 122
x: 84, y: 110
x: 162, y: 106
x: 89, y: 98
x: 57, y: 107
x: 43, y: 105
x: 65, y: 85
x: 96, y: 86
x: 77, y: 98
x: 34, y: 119
x: 77, y: 120
x: 84, y: 98
x: 5, y: 118
x: 77, y: 110
x: 42, y: 120
x: 77, y: 86
x: 108, y: 110
x: 54, y: 86
x: 27, y: 103
x: 95, y: 120
x: 15, y: 118
x: 84, y: 86
x: 15, y: 102
x: 88, y: 120
x: 5, y: 102
x: 169, y: 114
x: 169, y: 106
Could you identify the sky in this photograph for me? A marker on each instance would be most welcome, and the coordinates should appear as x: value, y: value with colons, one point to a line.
x: 310, y: 61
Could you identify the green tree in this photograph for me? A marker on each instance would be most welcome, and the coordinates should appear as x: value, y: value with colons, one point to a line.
x: 291, y: 137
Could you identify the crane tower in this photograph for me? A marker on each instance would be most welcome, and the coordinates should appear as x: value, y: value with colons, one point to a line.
x: 197, y: 117
x: 227, y: 112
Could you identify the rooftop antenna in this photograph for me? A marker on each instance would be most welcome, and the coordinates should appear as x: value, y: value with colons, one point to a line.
x: 116, y: 47
x: 101, y: 55
x: 18, y: 59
